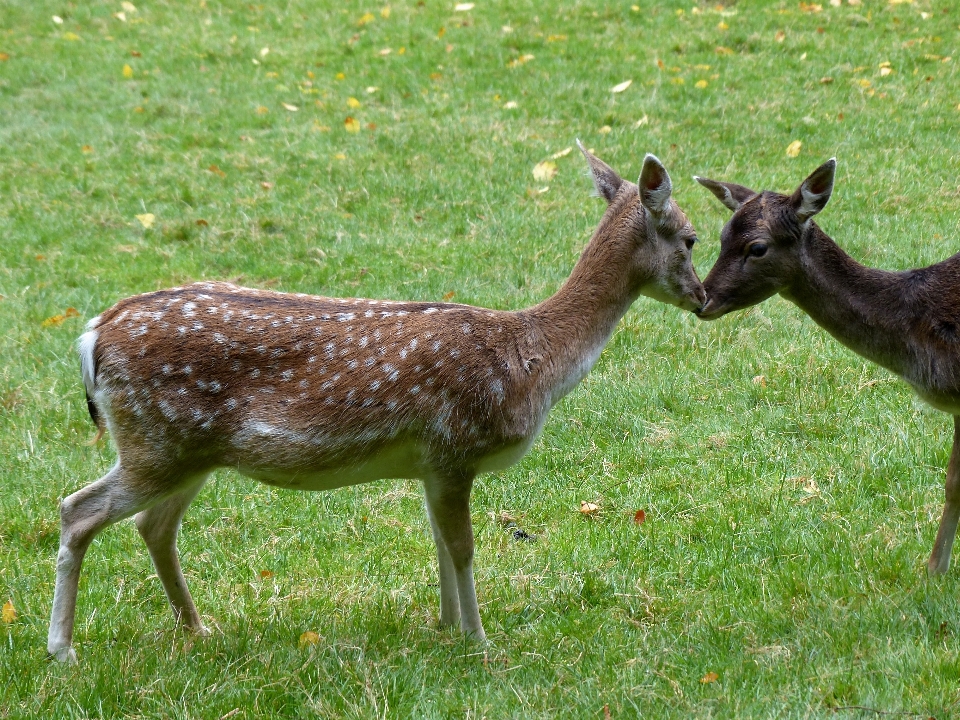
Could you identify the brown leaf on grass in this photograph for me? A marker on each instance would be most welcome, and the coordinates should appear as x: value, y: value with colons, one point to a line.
x: 9, y: 612
x: 216, y: 171
x: 266, y: 574
x: 448, y: 296
x: 55, y: 320
x: 588, y: 508
x: 639, y: 517
x: 265, y: 185
x: 780, y: 36
x: 86, y: 149
x: 4, y: 57
x: 202, y: 222
x: 351, y: 124
x: 793, y: 149
x: 710, y: 677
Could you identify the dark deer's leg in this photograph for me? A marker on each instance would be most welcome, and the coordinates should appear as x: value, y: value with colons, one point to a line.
x: 940, y: 557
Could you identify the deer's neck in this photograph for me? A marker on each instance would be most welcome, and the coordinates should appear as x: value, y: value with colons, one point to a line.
x: 856, y: 304
x: 576, y: 323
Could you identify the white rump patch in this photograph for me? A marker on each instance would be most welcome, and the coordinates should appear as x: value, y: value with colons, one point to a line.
x: 85, y: 346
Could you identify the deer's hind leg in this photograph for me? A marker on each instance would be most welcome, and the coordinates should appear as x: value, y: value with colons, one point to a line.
x: 117, y: 495
x: 158, y: 526
x: 940, y: 557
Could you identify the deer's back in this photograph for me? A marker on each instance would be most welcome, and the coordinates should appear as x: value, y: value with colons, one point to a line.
x: 276, y: 383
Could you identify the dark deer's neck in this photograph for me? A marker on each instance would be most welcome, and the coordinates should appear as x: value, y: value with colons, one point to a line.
x: 861, y: 307
x: 575, y: 323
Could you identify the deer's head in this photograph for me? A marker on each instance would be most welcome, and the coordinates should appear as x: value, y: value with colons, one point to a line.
x: 657, y: 233
x: 760, y: 245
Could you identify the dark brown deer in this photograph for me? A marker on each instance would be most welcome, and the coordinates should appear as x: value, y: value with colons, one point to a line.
x: 314, y: 393
x: 908, y: 322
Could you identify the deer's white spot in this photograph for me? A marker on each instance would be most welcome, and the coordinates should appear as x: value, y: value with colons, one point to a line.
x: 167, y: 409
x: 214, y: 386
x: 230, y: 404
x: 166, y: 369
x: 344, y: 317
x: 363, y: 341
x: 352, y: 364
x: 197, y: 326
x: 255, y: 373
x: 455, y: 353
x: 187, y: 369
x: 429, y: 310
x: 369, y: 362
x: 415, y: 390
x: 375, y: 385
x: 496, y: 387
x: 435, y: 346
x: 466, y: 328
x: 368, y: 313
x: 287, y: 375
x: 189, y: 309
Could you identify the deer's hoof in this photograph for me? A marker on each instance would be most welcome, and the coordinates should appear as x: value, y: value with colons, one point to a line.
x: 65, y: 655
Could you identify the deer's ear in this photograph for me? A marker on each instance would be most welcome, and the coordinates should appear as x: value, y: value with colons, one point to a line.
x: 655, y: 186
x: 814, y: 192
x: 730, y: 194
x: 605, y: 179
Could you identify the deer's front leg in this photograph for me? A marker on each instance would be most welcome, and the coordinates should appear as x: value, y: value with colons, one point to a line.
x: 449, y: 594
x: 448, y: 502
x: 939, y: 561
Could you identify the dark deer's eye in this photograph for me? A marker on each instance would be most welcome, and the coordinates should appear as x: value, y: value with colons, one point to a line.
x: 690, y: 242
x: 757, y: 250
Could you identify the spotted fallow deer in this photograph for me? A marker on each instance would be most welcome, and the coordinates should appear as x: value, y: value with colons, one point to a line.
x: 314, y: 393
x: 908, y: 322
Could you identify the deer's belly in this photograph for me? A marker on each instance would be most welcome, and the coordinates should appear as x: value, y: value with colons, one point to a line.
x: 400, y: 460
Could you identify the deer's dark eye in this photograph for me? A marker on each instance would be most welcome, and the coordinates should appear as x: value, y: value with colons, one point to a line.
x: 757, y: 250
x: 690, y: 242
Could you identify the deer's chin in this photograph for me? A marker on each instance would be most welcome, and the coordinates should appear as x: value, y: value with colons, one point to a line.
x: 713, y: 310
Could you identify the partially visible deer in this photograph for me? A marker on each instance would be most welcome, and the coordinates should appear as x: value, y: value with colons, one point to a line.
x: 315, y: 393
x: 908, y: 322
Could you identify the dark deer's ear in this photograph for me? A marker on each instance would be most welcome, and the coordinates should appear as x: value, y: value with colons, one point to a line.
x: 605, y: 179
x: 814, y: 192
x: 731, y: 195
x: 655, y: 186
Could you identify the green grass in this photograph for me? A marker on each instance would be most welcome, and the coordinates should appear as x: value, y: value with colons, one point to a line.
x: 788, y: 523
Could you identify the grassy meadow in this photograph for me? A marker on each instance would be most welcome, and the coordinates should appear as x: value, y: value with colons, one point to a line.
x: 791, y: 490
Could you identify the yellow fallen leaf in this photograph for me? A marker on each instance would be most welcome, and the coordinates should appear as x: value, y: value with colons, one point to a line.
x: 340, y: 156
x: 57, y: 20
x: 544, y: 171
x: 606, y: 129
x: 589, y: 508
x: 520, y: 60
x: 129, y: 7
x: 309, y: 638
x: 385, y: 12
x: 384, y: 52
x: 264, y: 52
x: 86, y: 149
x: 677, y: 80
x: 127, y: 71
x: 793, y: 149
x: 721, y: 50
x: 561, y: 153
x: 353, y: 102
x: 70, y: 312
x: 340, y: 76
x: 70, y: 36
x: 4, y: 57
x: 215, y: 170
x: 352, y: 124
x: 261, y: 110
x: 266, y: 574
x: 722, y: 26
x: 510, y: 105
x: 9, y: 612
x: 710, y: 677
x: 462, y: 7
x: 288, y: 106
x: 146, y: 219
x: 884, y: 71
x: 131, y: 249
x: 700, y: 84
x: 780, y: 36
x: 317, y: 127
x: 365, y: 18
x: 641, y: 122
x: 620, y: 87
x: 760, y: 380
x: 121, y: 16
